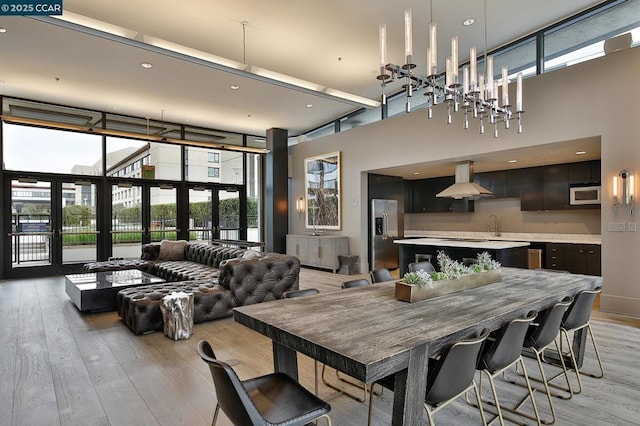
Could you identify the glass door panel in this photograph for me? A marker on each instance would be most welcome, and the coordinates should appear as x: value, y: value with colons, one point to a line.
x: 229, y: 214
x: 163, y: 213
x: 31, y: 232
x: 79, y: 232
x: 126, y: 220
x: 200, y: 215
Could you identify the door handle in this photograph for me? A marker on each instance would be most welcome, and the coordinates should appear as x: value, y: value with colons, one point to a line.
x: 385, y: 224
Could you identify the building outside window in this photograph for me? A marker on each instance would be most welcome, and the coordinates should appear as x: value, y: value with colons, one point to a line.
x: 213, y: 157
x: 213, y: 172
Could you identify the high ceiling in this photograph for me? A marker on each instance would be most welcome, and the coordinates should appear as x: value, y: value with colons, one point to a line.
x: 332, y: 43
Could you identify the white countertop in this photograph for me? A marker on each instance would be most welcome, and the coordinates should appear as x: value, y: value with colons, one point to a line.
x: 510, y: 236
x: 469, y: 243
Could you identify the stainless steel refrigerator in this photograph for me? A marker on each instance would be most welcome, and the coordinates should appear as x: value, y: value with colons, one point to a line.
x: 385, y: 228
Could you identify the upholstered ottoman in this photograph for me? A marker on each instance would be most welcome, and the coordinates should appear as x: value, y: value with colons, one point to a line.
x: 118, y: 265
x: 139, y: 307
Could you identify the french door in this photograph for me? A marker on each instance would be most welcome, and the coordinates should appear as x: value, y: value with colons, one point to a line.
x: 141, y: 213
x: 214, y: 213
x: 53, y: 224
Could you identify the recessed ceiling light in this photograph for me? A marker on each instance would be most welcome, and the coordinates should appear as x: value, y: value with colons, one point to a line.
x: 310, y: 105
x: 468, y: 21
x: 146, y: 65
x: 3, y: 30
x: 512, y: 161
x: 581, y: 152
x: 234, y: 87
x: 416, y: 173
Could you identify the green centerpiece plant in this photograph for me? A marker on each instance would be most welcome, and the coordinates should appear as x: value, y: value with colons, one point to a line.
x: 420, y: 278
x: 453, y: 276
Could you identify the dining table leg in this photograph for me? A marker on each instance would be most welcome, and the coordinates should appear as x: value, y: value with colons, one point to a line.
x: 410, y: 387
x: 285, y: 360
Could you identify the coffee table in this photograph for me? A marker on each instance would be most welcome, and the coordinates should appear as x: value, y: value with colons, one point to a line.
x: 96, y: 291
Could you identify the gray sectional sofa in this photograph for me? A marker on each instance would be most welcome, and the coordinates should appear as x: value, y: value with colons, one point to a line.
x: 221, y: 278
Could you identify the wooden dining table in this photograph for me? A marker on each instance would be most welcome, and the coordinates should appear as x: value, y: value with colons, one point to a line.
x: 368, y: 334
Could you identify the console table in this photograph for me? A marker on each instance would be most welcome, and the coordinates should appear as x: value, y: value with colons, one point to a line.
x: 320, y: 251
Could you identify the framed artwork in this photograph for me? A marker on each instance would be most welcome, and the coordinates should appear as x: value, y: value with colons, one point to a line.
x: 322, y: 191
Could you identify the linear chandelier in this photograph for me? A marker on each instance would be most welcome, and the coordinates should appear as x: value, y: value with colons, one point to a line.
x: 477, y: 95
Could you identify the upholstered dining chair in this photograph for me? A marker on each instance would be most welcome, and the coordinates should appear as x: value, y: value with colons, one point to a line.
x: 360, y: 282
x: 380, y: 275
x: 540, y: 336
x: 575, y: 319
x: 273, y: 399
x: 300, y: 293
x: 304, y: 293
x: 421, y: 266
x: 449, y: 376
x: 501, y: 351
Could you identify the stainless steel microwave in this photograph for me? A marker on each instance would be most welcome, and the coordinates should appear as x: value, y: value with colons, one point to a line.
x: 580, y: 195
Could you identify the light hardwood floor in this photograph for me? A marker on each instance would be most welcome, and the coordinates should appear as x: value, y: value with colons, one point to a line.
x: 61, y: 367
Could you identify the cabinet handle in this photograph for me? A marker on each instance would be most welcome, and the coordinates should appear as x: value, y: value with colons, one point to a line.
x: 319, y: 251
x: 580, y: 251
x: 591, y: 252
x: 297, y: 249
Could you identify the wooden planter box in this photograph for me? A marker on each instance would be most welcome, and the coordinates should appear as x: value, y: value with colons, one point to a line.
x: 415, y: 293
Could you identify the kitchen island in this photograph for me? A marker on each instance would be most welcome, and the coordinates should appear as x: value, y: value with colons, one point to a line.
x: 508, y: 253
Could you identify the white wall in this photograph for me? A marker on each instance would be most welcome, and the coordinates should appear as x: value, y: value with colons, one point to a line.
x: 597, y: 98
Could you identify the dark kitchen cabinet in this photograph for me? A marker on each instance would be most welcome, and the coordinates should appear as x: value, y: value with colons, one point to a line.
x: 502, y: 183
x: 556, y: 187
x: 553, y: 256
x: 586, y: 172
x: 424, y: 200
x: 512, y: 183
x: 544, y: 188
x: 575, y: 258
x: 532, y: 189
x: 582, y: 259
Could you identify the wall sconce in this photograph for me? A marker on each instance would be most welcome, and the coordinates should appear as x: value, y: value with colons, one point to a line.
x: 300, y: 206
x: 628, y: 189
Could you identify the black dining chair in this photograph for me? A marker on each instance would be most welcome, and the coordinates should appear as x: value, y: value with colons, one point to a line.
x: 299, y: 293
x: 576, y: 319
x: 273, y: 399
x: 501, y: 351
x: 305, y: 293
x: 360, y: 282
x: 450, y: 375
x: 540, y: 336
x: 468, y: 261
x: 421, y: 266
x: 424, y: 258
x: 380, y: 275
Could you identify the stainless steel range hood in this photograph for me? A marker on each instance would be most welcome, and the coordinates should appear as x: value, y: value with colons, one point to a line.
x: 464, y: 186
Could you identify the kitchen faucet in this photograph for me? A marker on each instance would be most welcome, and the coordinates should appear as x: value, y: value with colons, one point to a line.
x: 493, y: 223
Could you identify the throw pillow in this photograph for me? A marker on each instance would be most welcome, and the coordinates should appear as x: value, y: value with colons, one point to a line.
x: 172, y: 250
x: 251, y: 254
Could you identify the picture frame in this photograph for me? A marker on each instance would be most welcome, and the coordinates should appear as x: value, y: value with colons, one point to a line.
x: 322, y: 176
